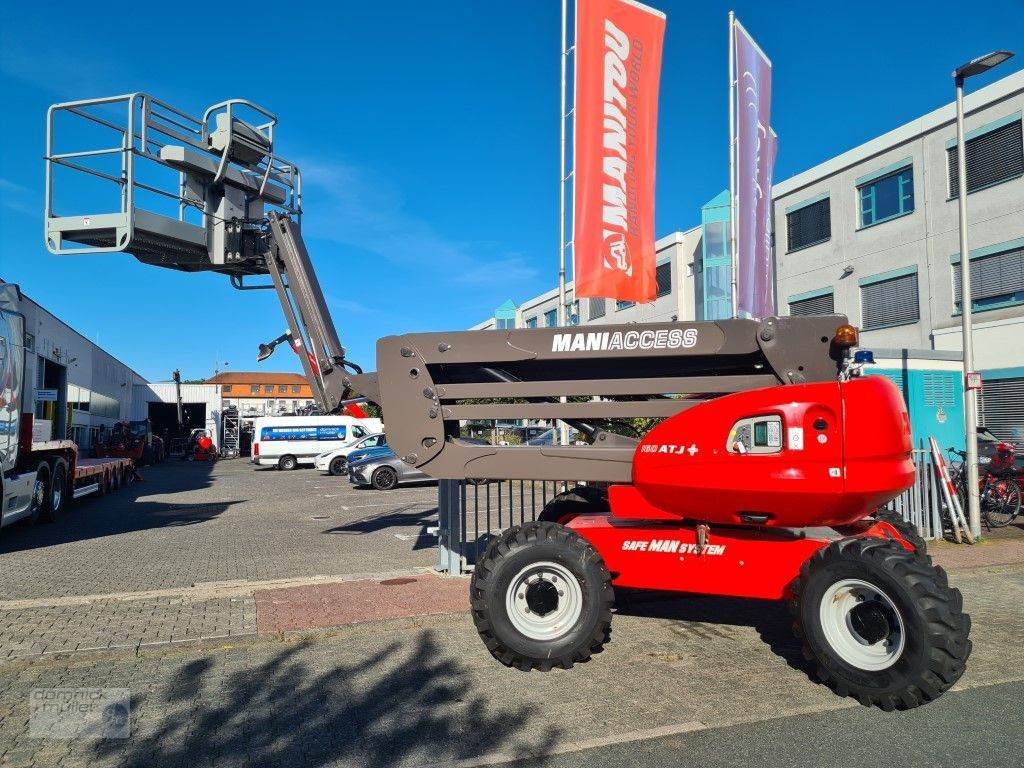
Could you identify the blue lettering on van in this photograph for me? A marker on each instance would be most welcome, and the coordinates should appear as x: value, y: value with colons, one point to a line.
x: 330, y: 432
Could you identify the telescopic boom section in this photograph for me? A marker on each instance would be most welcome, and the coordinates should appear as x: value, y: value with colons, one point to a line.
x: 233, y: 206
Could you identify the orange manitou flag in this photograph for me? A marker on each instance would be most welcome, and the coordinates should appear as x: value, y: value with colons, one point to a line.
x: 618, y: 64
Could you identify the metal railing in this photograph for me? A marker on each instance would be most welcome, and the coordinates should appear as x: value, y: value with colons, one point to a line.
x: 142, y: 126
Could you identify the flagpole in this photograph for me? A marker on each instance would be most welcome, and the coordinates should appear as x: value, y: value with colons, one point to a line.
x: 732, y: 161
x: 561, y: 184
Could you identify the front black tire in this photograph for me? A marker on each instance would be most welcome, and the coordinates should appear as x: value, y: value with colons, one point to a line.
x: 384, y: 478
x: 499, y: 578
x: 337, y: 466
x: 906, y: 530
x: 914, y: 623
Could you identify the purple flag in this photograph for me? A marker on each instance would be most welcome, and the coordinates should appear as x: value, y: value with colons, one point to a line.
x: 756, y: 145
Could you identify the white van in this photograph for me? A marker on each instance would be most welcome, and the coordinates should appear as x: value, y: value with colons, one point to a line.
x: 288, y: 441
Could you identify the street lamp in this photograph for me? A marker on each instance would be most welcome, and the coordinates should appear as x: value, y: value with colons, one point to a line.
x: 961, y: 73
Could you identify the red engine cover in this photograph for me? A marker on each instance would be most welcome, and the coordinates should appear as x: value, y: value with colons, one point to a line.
x: 845, y: 449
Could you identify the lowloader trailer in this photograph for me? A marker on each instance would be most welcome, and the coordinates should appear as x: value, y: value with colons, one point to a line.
x: 39, y: 478
x: 764, y: 478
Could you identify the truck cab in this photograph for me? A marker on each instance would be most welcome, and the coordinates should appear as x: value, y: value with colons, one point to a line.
x: 22, y: 495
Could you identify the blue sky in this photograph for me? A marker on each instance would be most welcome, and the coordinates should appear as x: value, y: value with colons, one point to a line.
x: 428, y: 138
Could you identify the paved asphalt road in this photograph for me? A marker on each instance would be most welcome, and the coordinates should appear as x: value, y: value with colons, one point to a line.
x: 982, y: 727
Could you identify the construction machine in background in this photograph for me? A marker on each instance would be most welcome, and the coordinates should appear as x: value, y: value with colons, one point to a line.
x: 131, y: 440
x: 762, y: 479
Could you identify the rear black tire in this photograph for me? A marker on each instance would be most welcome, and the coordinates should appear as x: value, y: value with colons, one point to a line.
x: 933, y: 646
x: 496, y: 573
x: 57, y: 498
x: 337, y: 466
x: 287, y: 463
x: 581, y: 500
x: 384, y: 478
x: 906, y: 530
x: 40, y: 493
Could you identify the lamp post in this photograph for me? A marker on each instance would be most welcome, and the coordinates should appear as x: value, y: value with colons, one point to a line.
x: 960, y: 74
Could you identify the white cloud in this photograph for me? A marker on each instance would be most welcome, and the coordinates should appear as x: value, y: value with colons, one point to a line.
x: 18, y: 198
x: 348, y: 207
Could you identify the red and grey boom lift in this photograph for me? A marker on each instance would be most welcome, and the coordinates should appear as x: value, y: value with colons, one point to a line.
x: 763, y: 480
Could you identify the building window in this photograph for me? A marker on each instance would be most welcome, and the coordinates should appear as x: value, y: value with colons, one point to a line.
x: 596, y: 308
x: 282, y: 388
x: 997, y: 280
x: 551, y: 318
x: 505, y: 323
x: 663, y: 278
x: 887, y: 198
x: 619, y: 305
x: 1003, y: 401
x: 268, y: 388
x: 808, y: 225
x: 254, y: 389
x: 993, y: 157
x: 225, y: 388
x: 572, y: 313
x: 823, y: 304
x: 296, y: 389
x: 889, y: 301
x: 531, y: 322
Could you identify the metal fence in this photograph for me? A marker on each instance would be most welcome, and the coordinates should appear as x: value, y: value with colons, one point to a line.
x: 471, y: 514
x: 922, y: 504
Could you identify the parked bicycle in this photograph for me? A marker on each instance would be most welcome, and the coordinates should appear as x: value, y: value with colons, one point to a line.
x: 999, y: 493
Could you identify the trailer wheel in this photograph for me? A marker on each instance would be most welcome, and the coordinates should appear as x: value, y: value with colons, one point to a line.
x: 881, y: 624
x: 541, y: 596
x: 40, y: 493
x: 287, y: 463
x: 58, y: 497
x: 906, y: 530
x: 337, y: 466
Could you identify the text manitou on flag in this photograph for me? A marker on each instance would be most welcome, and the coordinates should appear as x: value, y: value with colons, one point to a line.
x: 618, y: 65
x: 755, y: 146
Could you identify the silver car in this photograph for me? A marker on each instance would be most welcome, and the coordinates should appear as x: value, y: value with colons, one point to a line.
x: 381, y: 469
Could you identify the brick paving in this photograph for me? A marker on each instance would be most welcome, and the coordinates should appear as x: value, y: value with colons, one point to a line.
x: 179, y: 556
x: 190, y: 523
x: 419, y: 691
x: 294, y: 609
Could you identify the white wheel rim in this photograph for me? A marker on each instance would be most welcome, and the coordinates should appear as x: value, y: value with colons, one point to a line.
x: 38, y: 493
x: 845, y: 608
x: 544, y: 601
x: 58, y: 492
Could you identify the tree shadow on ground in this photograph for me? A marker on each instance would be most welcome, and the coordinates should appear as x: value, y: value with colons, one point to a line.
x: 121, y: 511
x: 402, y: 517
x: 709, y: 617
x: 407, y: 704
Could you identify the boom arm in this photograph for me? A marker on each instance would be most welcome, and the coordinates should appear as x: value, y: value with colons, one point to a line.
x: 236, y: 209
x: 311, y: 329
